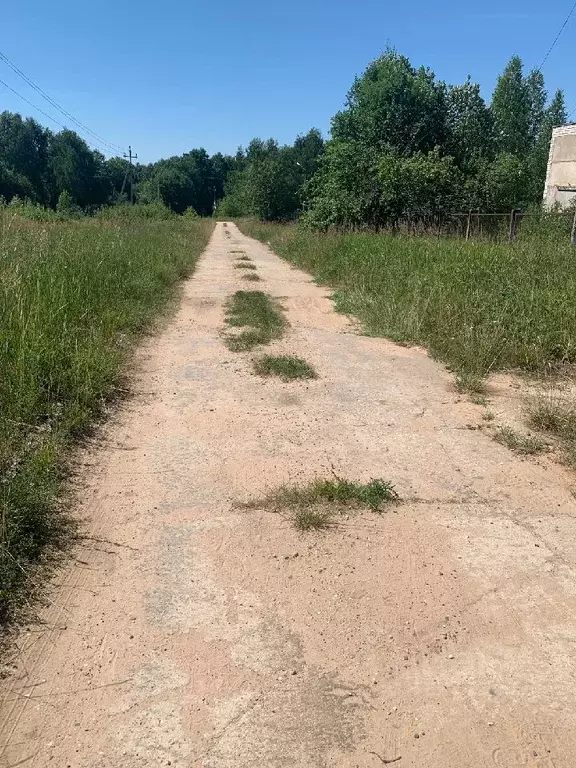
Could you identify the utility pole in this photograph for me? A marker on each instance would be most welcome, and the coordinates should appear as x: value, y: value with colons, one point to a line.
x: 131, y: 157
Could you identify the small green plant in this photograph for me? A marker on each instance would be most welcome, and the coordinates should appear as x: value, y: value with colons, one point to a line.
x: 243, y: 265
x: 244, y: 258
x: 471, y: 384
x: 259, y: 314
x: 488, y: 416
x: 252, y: 277
x: 317, y: 504
x: 524, y: 444
x: 311, y: 519
x: 554, y: 414
x: 286, y: 367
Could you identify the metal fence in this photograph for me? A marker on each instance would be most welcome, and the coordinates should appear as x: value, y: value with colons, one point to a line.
x: 502, y: 227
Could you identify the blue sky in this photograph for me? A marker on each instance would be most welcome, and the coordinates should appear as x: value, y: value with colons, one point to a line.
x: 167, y: 77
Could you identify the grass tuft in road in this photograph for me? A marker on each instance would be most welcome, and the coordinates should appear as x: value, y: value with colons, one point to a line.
x: 252, y: 277
x: 244, y: 258
x: 311, y: 519
x: 259, y: 313
x: 526, y: 445
x: 244, y: 265
x: 318, y: 504
x: 286, y: 367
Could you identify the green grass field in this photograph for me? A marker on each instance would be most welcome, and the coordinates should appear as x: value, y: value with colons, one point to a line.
x: 477, y: 306
x: 74, y: 297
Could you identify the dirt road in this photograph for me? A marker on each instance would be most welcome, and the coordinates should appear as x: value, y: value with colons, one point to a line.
x: 189, y: 632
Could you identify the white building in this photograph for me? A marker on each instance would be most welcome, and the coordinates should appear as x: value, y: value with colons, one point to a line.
x: 561, y: 174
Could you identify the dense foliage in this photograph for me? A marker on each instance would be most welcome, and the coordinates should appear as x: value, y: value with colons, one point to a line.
x: 405, y: 146
x: 409, y: 146
x: 41, y: 166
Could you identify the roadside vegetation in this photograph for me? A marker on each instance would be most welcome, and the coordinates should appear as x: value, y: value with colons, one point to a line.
x: 286, y: 367
x: 527, y: 445
x: 554, y: 414
x: 320, y: 503
x: 259, y: 314
x: 75, y: 295
x: 478, y: 306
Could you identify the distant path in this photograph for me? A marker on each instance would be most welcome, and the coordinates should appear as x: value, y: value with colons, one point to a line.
x: 189, y: 632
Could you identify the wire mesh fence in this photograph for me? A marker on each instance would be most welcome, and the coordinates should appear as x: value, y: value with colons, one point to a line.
x: 477, y: 225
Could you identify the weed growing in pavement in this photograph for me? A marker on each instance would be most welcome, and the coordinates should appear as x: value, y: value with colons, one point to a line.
x: 319, y: 503
x: 286, y: 367
x: 259, y: 314
x: 312, y: 519
x: 252, y: 277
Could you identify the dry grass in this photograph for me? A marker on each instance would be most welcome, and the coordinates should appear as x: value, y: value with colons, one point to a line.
x: 555, y: 414
x: 526, y: 445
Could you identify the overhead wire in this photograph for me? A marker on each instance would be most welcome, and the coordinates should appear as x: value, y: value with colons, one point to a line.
x: 95, y: 136
x: 34, y: 106
x: 562, y: 28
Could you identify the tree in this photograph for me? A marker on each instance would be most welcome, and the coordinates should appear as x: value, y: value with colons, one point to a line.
x: 553, y: 117
x: 537, y: 98
x: 24, y: 155
x: 394, y: 105
x: 77, y: 169
x: 469, y: 125
x: 512, y: 111
x: 345, y: 190
x: 417, y: 187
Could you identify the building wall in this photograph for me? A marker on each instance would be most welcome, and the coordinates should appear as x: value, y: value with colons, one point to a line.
x: 561, y: 175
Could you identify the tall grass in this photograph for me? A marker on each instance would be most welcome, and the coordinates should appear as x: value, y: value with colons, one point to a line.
x: 74, y: 296
x: 478, y: 306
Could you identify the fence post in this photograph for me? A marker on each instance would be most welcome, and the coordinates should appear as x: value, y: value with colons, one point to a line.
x: 468, y: 224
x: 512, y: 225
x: 573, y: 235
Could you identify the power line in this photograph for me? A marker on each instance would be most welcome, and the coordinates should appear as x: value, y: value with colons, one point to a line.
x: 38, y: 109
x: 562, y: 28
x: 56, y: 105
x: 30, y: 103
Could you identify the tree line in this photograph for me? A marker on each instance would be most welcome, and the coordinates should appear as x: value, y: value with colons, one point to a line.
x: 405, y: 145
